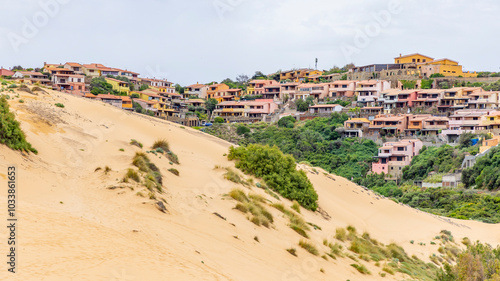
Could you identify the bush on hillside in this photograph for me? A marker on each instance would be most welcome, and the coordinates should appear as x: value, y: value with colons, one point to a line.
x: 287, y: 122
x: 278, y: 172
x: 10, y: 132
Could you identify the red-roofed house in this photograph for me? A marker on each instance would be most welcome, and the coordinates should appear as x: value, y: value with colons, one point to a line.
x: 198, y: 90
x: 250, y: 111
x: 75, y: 67
x: 65, y: 79
x: 342, y: 89
x: 111, y: 99
x: 5, y: 72
x: 31, y: 77
x: 325, y: 108
x: 256, y: 87
x: 394, y: 156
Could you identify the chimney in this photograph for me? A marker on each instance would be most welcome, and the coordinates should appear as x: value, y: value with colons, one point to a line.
x: 400, y: 55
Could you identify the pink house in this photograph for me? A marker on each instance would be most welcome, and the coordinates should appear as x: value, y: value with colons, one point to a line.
x: 342, y: 89
x: 318, y: 91
x: 394, y: 156
x: 289, y: 90
x: 406, y: 98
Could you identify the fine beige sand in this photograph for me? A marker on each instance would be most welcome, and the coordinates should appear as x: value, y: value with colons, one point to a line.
x: 72, y: 227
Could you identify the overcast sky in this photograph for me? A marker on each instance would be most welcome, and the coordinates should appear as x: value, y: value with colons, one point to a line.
x: 193, y: 41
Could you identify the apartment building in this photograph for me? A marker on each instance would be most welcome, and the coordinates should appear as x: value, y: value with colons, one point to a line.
x: 394, y: 156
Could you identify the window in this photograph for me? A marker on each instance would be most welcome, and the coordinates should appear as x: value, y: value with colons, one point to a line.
x: 399, y: 158
x: 400, y: 168
x: 413, y: 60
x: 424, y: 60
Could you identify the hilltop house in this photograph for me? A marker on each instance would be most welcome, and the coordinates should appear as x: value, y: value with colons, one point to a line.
x: 249, y: 111
x: 356, y: 127
x: 66, y: 79
x: 31, y: 77
x: 214, y: 88
x: 317, y: 91
x: 118, y: 85
x: 394, y: 156
x: 75, y: 67
x: 256, y: 87
x: 271, y: 91
x: 198, y: 90
x: 288, y: 90
x: 368, y: 91
x: 325, y: 108
x: 111, y: 99
x: 5, y: 72
x: 388, y: 124
x: 342, y: 89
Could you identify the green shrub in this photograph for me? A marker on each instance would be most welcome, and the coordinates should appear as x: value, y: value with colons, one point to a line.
x: 21, y: 101
x: 59, y: 105
x: 278, y: 171
x: 242, y: 129
x: 10, y: 131
x: 218, y: 120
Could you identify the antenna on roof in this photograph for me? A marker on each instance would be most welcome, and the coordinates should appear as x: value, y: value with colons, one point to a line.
x: 316, y: 64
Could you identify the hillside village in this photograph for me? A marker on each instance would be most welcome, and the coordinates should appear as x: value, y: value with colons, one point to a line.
x: 414, y: 100
x: 396, y: 139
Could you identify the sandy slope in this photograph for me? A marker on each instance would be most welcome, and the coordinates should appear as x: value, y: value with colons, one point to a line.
x: 73, y: 228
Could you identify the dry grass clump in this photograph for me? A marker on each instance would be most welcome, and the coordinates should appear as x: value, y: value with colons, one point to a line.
x: 252, y: 204
x: 136, y: 143
x: 132, y: 174
x: 297, y: 223
x: 232, y: 175
x: 296, y: 206
x: 162, y: 146
x: 309, y: 247
x: 292, y: 251
x: 340, y: 234
x: 174, y: 171
x: 361, y: 268
x: 152, y: 175
x: 161, y: 143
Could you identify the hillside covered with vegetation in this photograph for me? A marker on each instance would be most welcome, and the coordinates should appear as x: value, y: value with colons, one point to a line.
x: 316, y: 142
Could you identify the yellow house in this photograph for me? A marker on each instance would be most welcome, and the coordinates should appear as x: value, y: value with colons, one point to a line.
x: 118, y: 85
x: 487, y: 144
x: 413, y: 58
x: 299, y: 74
x: 449, y: 67
x: 491, y: 121
x: 428, y: 66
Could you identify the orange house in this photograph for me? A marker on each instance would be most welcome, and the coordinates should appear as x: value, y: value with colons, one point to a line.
x: 213, y: 89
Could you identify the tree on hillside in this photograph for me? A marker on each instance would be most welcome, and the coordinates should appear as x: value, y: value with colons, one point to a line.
x: 143, y: 87
x: 242, y: 79
x: 258, y: 75
x: 210, y: 105
x: 99, y: 86
x: 17, y: 68
x: 179, y: 89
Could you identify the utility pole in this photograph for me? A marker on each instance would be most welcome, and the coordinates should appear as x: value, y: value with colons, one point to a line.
x: 316, y: 63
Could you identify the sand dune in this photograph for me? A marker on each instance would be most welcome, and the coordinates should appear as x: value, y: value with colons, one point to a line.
x: 72, y: 227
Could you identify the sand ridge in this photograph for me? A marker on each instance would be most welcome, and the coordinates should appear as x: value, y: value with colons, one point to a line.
x: 72, y: 227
